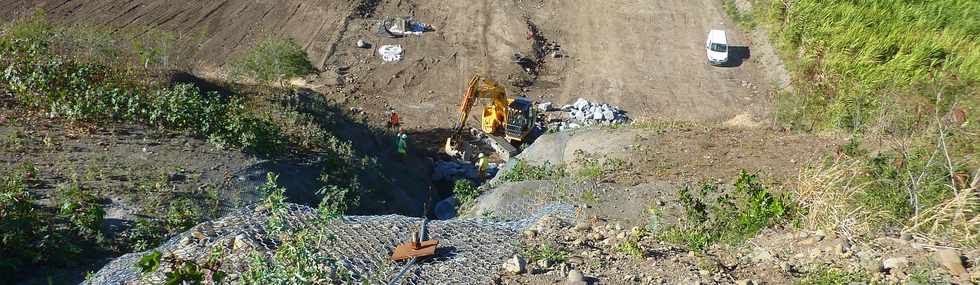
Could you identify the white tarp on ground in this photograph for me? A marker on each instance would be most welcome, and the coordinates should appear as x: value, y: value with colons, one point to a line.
x: 390, y: 53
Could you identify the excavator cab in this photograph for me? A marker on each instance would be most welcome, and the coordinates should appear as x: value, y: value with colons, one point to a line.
x: 520, y: 115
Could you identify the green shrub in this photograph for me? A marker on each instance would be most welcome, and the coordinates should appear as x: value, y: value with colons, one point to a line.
x: 31, y: 235
x: 711, y: 217
x: 744, y: 20
x: 271, y: 60
x: 145, y: 234
x: 336, y: 201
x: 465, y: 193
x: 547, y: 252
x: 831, y: 276
x: 20, y: 225
x: 297, y: 260
x: 275, y: 202
x: 524, y: 171
x: 300, y: 256
x: 82, y: 211
x: 590, y: 167
x: 181, y: 215
x: 83, y: 91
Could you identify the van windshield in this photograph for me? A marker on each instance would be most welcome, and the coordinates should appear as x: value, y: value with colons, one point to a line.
x: 719, y: 47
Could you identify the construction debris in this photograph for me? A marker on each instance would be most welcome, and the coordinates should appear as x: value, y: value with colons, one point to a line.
x: 456, y: 170
x: 393, y: 27
x: 582, y: 113
x: 363, y: 44
x: 390, y: 53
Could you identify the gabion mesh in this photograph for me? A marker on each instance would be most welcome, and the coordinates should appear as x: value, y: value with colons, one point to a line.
x: 470, y: 251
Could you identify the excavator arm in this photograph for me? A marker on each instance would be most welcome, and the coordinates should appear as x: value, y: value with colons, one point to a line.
x: 494, y: 115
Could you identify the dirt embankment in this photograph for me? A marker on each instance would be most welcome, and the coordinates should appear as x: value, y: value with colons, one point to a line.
x: 219, y: 28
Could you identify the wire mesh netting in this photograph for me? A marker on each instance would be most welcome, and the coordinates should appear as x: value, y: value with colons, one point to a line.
x: 470, y: 251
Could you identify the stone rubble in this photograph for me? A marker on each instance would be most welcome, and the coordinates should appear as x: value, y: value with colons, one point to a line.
x: 455, y: 170
x: 584, y: 113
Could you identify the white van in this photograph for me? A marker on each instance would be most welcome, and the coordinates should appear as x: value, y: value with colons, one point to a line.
x: 717, y: 47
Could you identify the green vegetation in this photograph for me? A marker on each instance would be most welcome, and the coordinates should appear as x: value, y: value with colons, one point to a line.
x: 180, y: 271
x: 903, y: 76
x: 181, y: 215
x: 80, y: 90
x: 857, y: 62
x: 831, y: 276
x: 547, y: 252
x: 465, y: 193
x: 300, y: 257
x: 631, y: 246
x: 913, y: 188
x: 272, y: 60
x: 712, y: 217
x: 524, y: 171
x: 82, y: 211
x: 591, y: 167
x: 745, y: 21
x: 31, y: 235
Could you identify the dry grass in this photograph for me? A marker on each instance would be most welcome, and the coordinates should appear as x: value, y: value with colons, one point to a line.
x: 828, y: 192
x: 956, y: 220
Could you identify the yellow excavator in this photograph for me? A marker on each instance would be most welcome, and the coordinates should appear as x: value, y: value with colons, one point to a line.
x: 512, y: 117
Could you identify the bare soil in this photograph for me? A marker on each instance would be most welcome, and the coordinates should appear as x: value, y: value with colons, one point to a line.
x: 645, y: 56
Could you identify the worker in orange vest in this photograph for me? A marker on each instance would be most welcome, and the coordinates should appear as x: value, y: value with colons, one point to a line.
x: 393, y: 120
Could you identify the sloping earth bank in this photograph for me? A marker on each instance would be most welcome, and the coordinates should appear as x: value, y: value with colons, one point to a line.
x: 659, y: 163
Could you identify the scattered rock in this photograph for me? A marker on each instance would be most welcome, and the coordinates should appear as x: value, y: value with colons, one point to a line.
x: 745, y: 282
x: 584, y: 112
x: 530, y: 234
x: 843, y: 247
x: 872, y: 266
x: 574, y: 277
x: 762, y: 255
x: 785, y: 266
x: 895, y: 263
x: 544, y: 263
x: 906, y: 236
x: 544, y: 107
x: 363, y: 44
x: 515, y: 265
x: 242, y: 243
x: 811, y: 240
x: 951, y: 260
x: 197, y: 234
x: 820, y: 235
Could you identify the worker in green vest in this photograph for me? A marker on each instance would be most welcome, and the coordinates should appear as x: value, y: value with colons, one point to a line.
x: 483, y: 165
x: 402, y: 142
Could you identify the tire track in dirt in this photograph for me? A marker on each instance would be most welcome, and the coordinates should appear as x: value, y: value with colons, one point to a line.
x: 487, y: 17
x: 362, y: 9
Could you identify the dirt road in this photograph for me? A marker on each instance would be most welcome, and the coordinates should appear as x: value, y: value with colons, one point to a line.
x: 648, y: 56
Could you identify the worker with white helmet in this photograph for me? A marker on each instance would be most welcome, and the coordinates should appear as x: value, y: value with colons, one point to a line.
x: 482, y: 165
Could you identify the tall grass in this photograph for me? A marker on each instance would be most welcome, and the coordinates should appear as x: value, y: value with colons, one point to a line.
x: 904, y: 74
x: 849, y: 55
